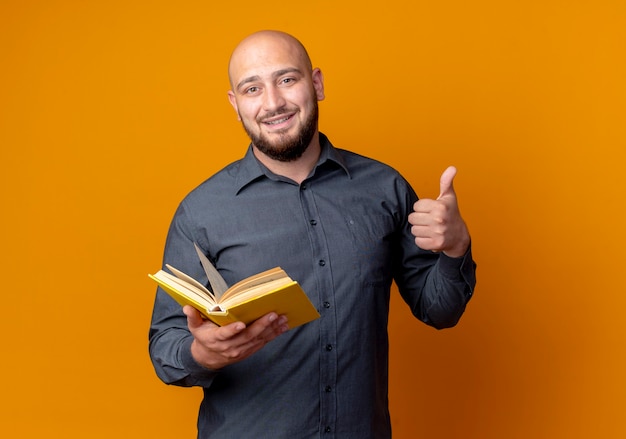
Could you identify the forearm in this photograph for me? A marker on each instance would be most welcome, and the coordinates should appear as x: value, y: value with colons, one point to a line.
x: 440, y: 296
x: 170, y: 338
x: 170, y: 352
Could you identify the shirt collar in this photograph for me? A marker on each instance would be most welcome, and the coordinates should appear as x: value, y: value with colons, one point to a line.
x: 250, y: 168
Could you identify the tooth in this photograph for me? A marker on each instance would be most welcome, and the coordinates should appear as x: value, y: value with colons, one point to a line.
x: 274, y: 122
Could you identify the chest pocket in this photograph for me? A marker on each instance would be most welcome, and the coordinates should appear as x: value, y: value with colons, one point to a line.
x: 372, y: 242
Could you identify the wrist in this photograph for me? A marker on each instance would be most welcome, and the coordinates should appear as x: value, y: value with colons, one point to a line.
x: 203, y: 357
x: 459, y: 249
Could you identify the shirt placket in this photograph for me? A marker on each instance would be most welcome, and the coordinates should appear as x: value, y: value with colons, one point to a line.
x: 328, y: 322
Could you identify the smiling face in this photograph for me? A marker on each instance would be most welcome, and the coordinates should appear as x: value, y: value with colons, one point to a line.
x: 275, y: 93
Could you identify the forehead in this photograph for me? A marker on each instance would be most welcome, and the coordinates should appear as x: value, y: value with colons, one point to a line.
x: 264, y: 55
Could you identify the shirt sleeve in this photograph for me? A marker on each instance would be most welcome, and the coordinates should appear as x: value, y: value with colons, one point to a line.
x: 436, y: 287
x: 169, y: 337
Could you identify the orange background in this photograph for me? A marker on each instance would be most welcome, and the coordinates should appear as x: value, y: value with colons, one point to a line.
x: 111, y: 111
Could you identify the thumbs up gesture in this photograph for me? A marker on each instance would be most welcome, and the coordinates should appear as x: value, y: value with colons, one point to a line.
x: 437, y: 224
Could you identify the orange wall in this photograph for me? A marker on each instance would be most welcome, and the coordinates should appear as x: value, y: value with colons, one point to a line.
x: 111, y: 111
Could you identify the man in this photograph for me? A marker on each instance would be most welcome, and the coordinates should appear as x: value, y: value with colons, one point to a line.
x: 343, y: 226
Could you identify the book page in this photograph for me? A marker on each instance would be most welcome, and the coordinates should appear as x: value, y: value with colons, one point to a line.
x: 253, y: 281
x: 256, y: 290
x: 186, y: 289
x: 179, y: 274
x: 217, y: 282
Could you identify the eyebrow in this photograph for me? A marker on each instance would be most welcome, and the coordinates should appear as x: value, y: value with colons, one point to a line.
x: 276, y: 74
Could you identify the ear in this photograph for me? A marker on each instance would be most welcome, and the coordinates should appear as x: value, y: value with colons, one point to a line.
x: 233, y: 101
x: 318, y: 83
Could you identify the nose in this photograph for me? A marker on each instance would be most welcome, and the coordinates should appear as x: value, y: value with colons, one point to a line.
x: 273, y: 99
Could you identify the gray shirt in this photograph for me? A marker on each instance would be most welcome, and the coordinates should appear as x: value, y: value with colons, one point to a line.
x: 343, y: 234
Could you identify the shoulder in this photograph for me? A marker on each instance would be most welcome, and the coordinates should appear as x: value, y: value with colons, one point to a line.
x: 353, y: 162
x: 221, y: 183
x: 362, y: 168
x: 199, y: 204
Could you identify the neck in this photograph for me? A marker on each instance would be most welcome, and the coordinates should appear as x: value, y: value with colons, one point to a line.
x: 297, y: 170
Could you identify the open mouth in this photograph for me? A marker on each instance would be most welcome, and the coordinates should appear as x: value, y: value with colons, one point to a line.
x: 278, y: 121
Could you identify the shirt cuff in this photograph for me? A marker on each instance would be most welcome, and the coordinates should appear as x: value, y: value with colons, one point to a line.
x: 200, y: 375
x: 463, y: 267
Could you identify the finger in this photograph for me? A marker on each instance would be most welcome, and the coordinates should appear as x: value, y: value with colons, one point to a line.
x: 424, y: 206
x: 231, y: 330
x: 278, y: 327
x: 263, y: 324
x: 195, y: 321
x: 445, y: 182
x: 268, y: 327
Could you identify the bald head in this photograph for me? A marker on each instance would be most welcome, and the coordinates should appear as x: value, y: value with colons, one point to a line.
x: 256, y: 49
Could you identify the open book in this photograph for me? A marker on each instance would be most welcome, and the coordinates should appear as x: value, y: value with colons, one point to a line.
x: 246, y: 301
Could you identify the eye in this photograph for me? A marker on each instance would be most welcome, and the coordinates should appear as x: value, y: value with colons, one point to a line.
x: 251, y: 90
x: 287, y: 81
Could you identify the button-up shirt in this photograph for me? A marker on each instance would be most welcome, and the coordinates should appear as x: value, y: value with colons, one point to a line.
x: 344, y: 235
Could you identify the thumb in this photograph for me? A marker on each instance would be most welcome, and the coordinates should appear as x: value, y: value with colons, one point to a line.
x: 445, y: 183
x: 194, y: 318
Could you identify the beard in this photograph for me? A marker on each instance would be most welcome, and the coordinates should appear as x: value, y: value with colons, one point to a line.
x: 286, y: 148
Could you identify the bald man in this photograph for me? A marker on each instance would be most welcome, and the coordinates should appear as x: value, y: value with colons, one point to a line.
x: 342, y: 225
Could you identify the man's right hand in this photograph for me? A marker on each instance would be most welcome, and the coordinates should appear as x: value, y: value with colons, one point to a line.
x: 215, y: 347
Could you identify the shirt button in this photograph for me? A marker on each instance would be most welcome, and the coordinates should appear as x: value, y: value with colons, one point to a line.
x: 328, y: 389
x: 329, y: 347
x: 327, y: 430
x: 313, y: 222
x: 322, y: 262
x: 326, y: 304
